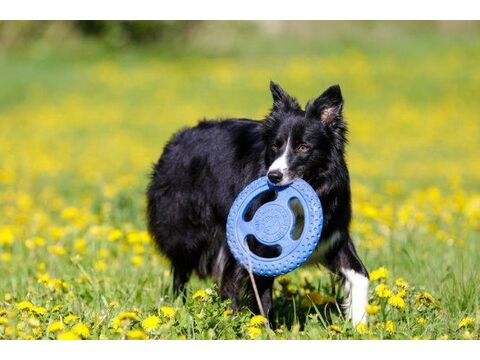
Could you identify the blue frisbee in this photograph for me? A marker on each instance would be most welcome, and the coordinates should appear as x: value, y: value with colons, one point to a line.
x: 274, y: 225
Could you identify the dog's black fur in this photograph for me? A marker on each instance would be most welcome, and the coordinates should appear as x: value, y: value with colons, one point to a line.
x: 203, y: 169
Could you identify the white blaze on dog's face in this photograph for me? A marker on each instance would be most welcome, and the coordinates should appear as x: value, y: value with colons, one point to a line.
x: 278, y: 173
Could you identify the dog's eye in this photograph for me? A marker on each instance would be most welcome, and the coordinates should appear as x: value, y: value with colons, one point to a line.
x: 303, y: 148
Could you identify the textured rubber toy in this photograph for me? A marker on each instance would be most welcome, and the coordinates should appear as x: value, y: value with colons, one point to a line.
x: 273, y: 224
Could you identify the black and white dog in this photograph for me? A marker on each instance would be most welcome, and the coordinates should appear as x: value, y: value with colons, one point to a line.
x: 203, y: 169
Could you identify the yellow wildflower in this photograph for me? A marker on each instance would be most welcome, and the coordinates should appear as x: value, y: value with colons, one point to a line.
x: 467, y: 321
x: 68, y: 335
x: 137, y: 260
x: 55, y: 326
x: 8, y: 297
x: 390, y: 327
x: 254, y: 332
x: 401, y: 283
x: 130, y: 315
x: 56, y: 249
x: 424, y: 298
x: 168, y: 311
x: 199, y: 294
x: 227, y: 313
x: 382, y: 291
x: 396, y: 301
x: 257, y: 320
x: 136, y: 335
x: 81, y: 246
x: 6, y: 256
x: 421, y: 321
x: 100, y: 265
x: 151, y: 323
x: 25, y: 305
x: 362, y: 329
x: 372, y: 309
x: 39, y: 310
x: 69, y: 319
x: 6, y: 236
x: 56, y: 308
x: 114, y: 235
x: 380, y: 273
x: 334, y: 329
x: 81, y: 330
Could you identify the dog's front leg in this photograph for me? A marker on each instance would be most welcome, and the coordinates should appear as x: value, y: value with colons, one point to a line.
x: 345, y: 262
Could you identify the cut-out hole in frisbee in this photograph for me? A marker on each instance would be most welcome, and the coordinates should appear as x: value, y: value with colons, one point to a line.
x: 299, y: 215
x: 264, y: 251
x: 258, y: 201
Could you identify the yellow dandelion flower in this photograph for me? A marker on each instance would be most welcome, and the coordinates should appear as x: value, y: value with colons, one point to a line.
x: 390, y: 327
x: 6, y: 256
x: 24, y: 305
x: 69, y: 213
x: 7, y: 297
x: 55, y: 326
x: 362, y: 329
x: 402, y: 293
x: 103, y: 253
x: 68, y: 335
x: 396, y: 301
x: 128, y: 315
x: 56, y: 308
x: 56, y: 250
x: 168, y: 311
x: 136, y: 335
x: 424, y: 298
x: 100, y: 265
x: 401, y: 283
x: 383, y: 291
x: 137, y: 260
x: 39, y: 310
x: 6, y: 236
x: 39, y: 241
x: 380, y: 273
x: 334, y: 329
x: 227, y: 313
x: 465, y: 322
x: 199, y: 294
x: 257, y: 320
x: 254, y: 332
x: 81, y: 330
x: 81, y: 246
x: 422, y: 321
x: 372, y: 309
x: 114, y: 235
x: 151, y: 323
x: 70, y: 319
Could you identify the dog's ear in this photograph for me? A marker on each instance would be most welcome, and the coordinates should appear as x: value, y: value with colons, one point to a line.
x: 281, y: 100
x: 327, y: 107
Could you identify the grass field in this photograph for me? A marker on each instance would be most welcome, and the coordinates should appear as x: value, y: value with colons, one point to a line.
x: 78, y: 137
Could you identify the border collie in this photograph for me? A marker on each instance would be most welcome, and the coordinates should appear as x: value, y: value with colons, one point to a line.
x: 202, y: 170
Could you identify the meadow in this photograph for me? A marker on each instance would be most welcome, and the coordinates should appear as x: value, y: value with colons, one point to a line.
x: 78, y: 136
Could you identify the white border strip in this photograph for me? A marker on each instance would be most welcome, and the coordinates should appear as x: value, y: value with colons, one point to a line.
x: 240, y: 9
x: 211, y: 350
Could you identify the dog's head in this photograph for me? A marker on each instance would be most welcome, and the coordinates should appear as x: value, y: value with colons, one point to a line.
x: 301, y: 143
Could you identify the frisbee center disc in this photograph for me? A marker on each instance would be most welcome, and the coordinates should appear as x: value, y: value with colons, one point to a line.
x: 271, y: 222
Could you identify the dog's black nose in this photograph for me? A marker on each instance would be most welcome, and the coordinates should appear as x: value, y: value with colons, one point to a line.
x: 275, y: 176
